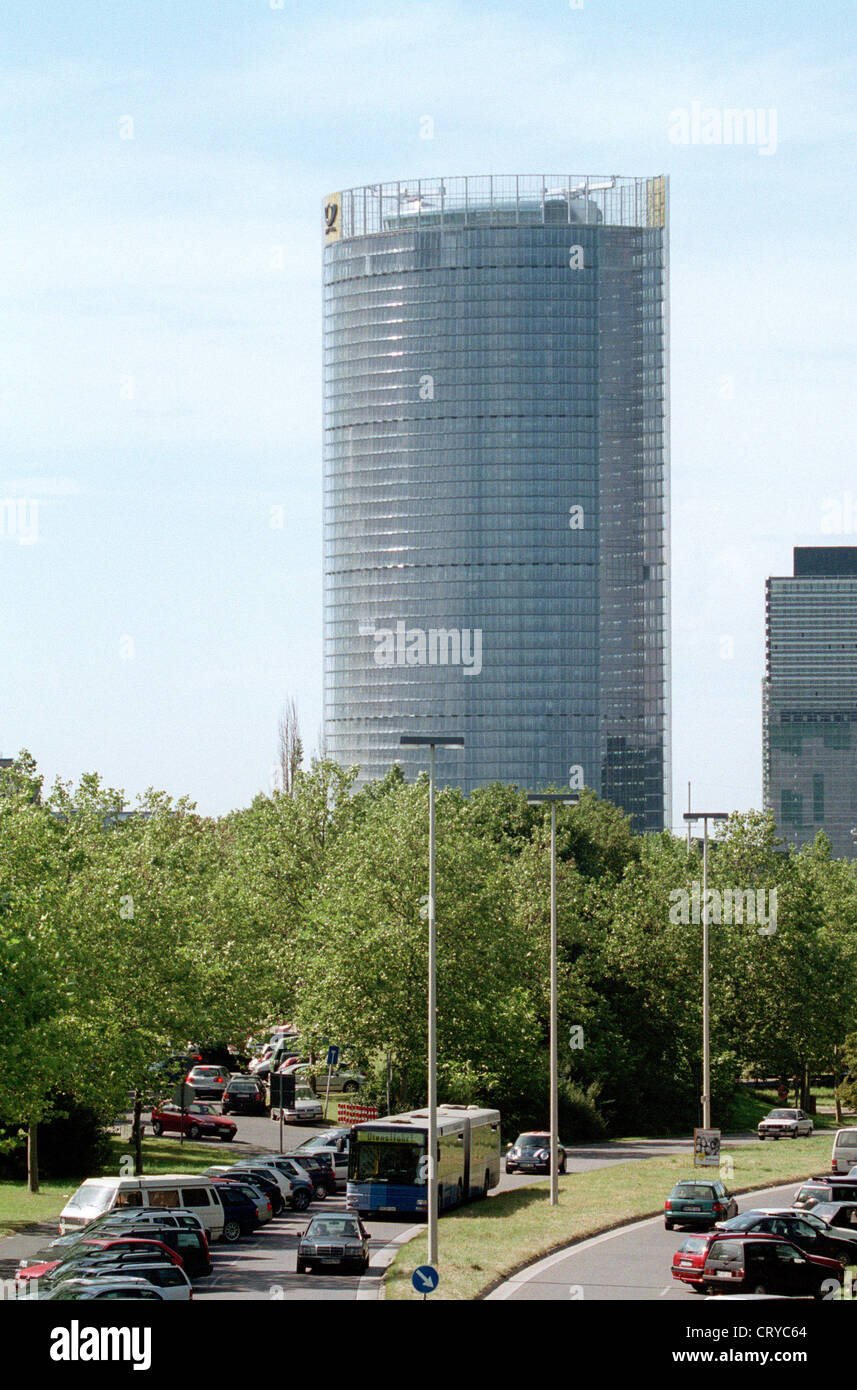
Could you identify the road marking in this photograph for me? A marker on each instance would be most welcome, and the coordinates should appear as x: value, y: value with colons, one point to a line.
x: 511, y: 1285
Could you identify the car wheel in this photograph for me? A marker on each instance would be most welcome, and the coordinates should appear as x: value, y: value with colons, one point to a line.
x: 226, y: 1138
x: 157, y: 1128
x: 277, y: 1205
x: 510, y: 1169
x: 697, y: 1288
x: 301, y: 1199
x: 668, y: 1226
x: 486, y: 1183
x: 231, y: 1232
x: 320, y: 1193
x: 193, y: 1132
x: 562, y: 1164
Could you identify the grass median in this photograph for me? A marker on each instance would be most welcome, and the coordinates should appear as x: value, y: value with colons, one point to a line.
x: 485, y: 1242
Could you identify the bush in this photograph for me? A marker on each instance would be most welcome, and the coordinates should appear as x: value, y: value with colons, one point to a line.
x: 72, y: 1144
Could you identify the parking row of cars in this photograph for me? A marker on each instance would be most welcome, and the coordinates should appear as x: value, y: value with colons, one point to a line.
x: 804, y: 1250
x: 150, y: 1237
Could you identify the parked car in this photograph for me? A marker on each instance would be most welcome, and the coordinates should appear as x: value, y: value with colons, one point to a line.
x: 44, y: 1262
x: 334, y: 1242
x: 208, y: 1083
x: 297, y: 1191
x: 169, y: 1279
x: 96, y: 1261
x: 689, y: 1260
x: 306, y: 1109
x: 246, y: 1095
x: 312, y: 1170
x: 767, y: 1264
x: 342, y: 1079
x: 263, y: 1183
x: 844, y: 1155
x: 530, y: 1153
x: 97, y: 1196
x: 198, y: 1120
x: 115, y: 1287
x: 240, y: 1209
x: 839, y: 1216
x: 336, y: 1143
x: 184, y: 1235
x: 802, y: 1228
x: 827, y: 1188
x: 785, y: 1124
x: 698, y: 1202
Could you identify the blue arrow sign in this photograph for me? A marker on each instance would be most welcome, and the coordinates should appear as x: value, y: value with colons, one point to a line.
x: 425, y: 1279
x: 332, y: 1056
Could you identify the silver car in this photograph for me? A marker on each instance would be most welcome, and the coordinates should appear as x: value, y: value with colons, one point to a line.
x: 785, y: 1124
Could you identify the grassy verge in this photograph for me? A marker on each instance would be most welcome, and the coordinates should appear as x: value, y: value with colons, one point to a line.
x: 20, y: 1208
x: 485, y: 1242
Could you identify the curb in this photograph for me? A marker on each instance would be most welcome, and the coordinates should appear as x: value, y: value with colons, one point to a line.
x: 371, y: 1285
x: 639, y: 1219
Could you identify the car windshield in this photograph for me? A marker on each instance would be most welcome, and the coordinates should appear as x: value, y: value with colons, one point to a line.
x: 693, y: 1245
x: 533, y: 1141
x: 91, y: 1195
x: 199, y: 1109
x: 304, y: 1093
x: 341, y: 1227
x: 206, y: 1071
x: 782, y: 1115
x: 847, y: 1139
x: 692, y: 1191
x: 243, y: 1086
x: 321, y: 1141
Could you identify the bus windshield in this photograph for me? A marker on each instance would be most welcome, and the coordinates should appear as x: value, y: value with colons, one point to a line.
x: 393, y: 1158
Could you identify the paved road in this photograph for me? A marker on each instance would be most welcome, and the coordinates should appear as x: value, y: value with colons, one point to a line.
x: 631, y: 1263
x: 262, y: 1266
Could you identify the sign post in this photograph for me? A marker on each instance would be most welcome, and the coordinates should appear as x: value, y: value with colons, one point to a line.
x: 282, y: 1095
x: 332, y: 1059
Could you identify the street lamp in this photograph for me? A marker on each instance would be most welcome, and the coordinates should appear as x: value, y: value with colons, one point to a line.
x: 431, y: 741
x: 705, y: 817
x: 538, y: 799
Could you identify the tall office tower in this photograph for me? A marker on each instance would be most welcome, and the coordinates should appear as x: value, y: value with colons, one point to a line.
x: 809, y: 733
x: 496, y: 482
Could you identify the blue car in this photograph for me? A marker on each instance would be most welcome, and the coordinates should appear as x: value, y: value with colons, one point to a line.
x: 240, y: 1215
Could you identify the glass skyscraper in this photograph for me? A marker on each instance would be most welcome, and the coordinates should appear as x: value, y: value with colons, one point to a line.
x: 810, y: 697
x: 496, y: 481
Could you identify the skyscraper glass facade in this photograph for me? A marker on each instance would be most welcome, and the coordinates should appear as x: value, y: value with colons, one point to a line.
x: 810, y: 697
x: 496, y: 482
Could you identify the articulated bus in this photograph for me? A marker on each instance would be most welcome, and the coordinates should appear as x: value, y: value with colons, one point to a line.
x: 387, y: 1164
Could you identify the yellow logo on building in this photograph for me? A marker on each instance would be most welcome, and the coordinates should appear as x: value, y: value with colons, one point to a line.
x: 332, y: 217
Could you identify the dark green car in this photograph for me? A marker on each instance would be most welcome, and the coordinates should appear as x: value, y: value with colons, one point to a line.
x: 698, y: 1202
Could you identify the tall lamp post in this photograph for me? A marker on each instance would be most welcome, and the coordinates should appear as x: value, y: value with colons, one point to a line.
x: 705, y: 817
x: 431, y: 741
x: 538, y: 799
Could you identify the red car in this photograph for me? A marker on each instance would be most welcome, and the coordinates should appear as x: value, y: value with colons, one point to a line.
x: 689, y: 1259
x: 126, y: 1244
x: 200, y: 1121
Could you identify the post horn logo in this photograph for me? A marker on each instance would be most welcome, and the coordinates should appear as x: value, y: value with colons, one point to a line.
x: 332, y: 228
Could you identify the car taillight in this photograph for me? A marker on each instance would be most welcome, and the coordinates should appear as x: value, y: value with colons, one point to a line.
x: 718, y: 1207
x: 668, y: 1205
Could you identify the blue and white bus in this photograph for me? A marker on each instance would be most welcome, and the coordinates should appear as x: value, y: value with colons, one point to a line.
x: 387, y: 1163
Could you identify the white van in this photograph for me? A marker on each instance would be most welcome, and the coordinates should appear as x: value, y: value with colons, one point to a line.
x: 844, y: 1156
x: 192, y: 1192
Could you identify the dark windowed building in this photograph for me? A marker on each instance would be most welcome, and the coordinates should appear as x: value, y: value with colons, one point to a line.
x: 810, y: 697
x: 496, y: 482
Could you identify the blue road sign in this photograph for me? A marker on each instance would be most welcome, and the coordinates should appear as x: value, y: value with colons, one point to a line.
x: 425, y: 1279
x: 332, y: 1056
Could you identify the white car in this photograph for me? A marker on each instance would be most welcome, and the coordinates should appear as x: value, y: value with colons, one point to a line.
x: 785, y: 1124
x: 341, y: 1079
x: 170, y: 1280
x: 337, y: 1143
x: 307, y: 1106
x: 127, y: 1287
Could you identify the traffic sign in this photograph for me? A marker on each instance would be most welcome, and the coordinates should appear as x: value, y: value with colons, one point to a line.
x: 425, y: 1279
x: 332, y: 1056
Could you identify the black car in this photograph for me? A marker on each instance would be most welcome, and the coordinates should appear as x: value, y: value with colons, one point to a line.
x: 803, y: 1228
x: 766, y: 1264
x: 530, y: 1153
x: 334, y: 1242
x: 240, y: 1216
x: 245, y: 1096
x: 190, y: 1242
x: 319, y: 1170
x: 264, y: 1182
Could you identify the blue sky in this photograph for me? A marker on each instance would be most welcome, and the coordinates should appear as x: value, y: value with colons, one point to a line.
x: 163, y: 167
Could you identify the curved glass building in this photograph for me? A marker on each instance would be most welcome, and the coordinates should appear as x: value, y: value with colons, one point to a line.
x: 496, y: 482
